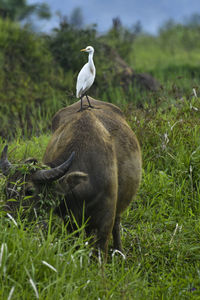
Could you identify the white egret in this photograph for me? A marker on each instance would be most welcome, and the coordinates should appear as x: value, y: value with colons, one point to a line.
x: 86, y: 76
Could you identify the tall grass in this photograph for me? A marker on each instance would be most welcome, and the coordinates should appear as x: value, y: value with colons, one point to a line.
x: 160, y: 230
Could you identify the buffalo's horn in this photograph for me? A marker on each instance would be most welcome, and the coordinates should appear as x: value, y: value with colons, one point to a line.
x: 5, y: 165
x: 54, y: 173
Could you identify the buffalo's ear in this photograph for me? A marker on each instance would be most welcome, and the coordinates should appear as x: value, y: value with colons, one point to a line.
x: 31, y: 160
x: 75, y: 178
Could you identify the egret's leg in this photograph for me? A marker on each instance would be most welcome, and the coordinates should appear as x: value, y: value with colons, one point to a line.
x: 81, y: 105
x: 89, y: 101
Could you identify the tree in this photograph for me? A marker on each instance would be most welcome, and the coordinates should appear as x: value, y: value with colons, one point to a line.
x: 67, y: 40
x: 192, y: 21
x: 19, y: 10
x: 120, y: 38
x: 76, y: 18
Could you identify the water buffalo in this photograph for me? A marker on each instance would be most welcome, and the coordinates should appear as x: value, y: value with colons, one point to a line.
x: 103, y: 175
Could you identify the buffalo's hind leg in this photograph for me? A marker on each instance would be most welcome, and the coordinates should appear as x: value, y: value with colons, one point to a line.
x: 99, y: 241
x: 104, y: 231
x: 117, y: 243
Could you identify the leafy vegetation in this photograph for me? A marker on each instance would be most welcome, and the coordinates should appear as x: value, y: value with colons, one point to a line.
x: 30, y: 79
x: 20, y: 10
x: 161, y: 228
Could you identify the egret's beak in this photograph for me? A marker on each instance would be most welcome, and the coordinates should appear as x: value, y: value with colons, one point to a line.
x: 83, y: 50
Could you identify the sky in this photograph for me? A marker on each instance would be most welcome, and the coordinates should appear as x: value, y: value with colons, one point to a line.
x: 151, y: 13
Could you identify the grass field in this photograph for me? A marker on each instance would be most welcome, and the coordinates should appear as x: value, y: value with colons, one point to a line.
x: 161, y: 228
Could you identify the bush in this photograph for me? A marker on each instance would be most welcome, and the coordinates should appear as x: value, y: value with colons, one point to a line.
x: 29, y: 77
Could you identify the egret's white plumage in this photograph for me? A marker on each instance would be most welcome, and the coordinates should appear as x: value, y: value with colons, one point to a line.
x: 86, y: 76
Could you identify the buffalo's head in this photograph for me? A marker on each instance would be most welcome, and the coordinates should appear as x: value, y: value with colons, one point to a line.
x: 28, y: 184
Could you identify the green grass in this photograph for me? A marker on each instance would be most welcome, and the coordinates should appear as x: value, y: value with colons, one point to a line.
x: 160, y: 230
x: 176, y: 47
